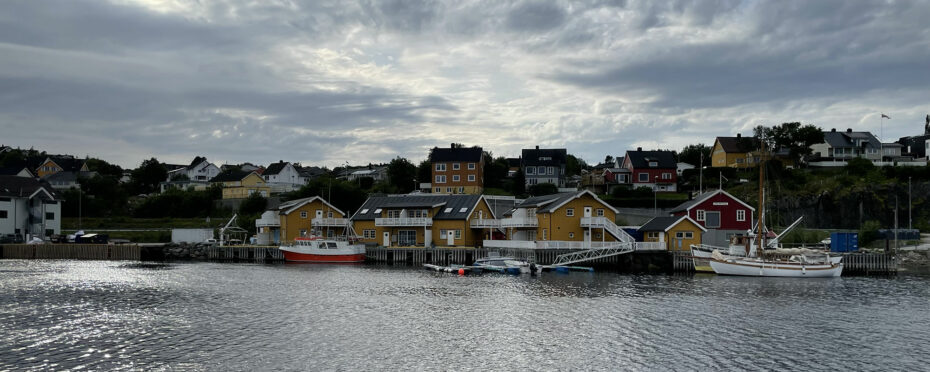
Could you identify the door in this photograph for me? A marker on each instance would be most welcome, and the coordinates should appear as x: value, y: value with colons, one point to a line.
x: 587, y: 212
x: 319, y: 213
x: 387, y: 239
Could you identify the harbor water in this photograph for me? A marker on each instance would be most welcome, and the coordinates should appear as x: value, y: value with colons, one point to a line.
x: 110, y: 315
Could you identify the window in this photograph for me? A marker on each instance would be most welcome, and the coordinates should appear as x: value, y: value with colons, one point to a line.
x: 364, y: 210
x: 653, y: 234
x: 541, y: 170
x: 644, y: 177
x: 530, y: 170
x: 471, y: 166
x: 684, y: 235
x: 368, y: 234
x: 463, y: 210
x: 653, y: 164
x: 599, y: 212
x: 448, y: 210
x: 739, y: 160
x: 456, y: 234
x: 455, y: 166
x: 544, y: 233
x: 571, y: 235
x: 329, y: 214
x: 461, y: 190
x: 393, y: 214
x: 570, y: 212
x: 456, y: 178
x: 378, y: 211
x: 440, y: 167
x: 441, y: 178
x: 303, y: 232
x: 303, y: 214
x: 4, y: 214
x: 49, y: 216
x: 438, y: 189
x: 471, y: 178
x: 449, y: 190
x: 712, y: 219
x: 741, y: 215
x: 700, y: 215
x: 666, y: 176
x: 550, y: 170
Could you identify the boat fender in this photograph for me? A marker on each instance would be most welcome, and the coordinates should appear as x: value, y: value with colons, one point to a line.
x: 461, y: 272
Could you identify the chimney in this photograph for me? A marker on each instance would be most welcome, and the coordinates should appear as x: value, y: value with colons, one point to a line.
x: 848, y: 130
x: 452, y: 145
x: 738, y: 135
x: 537, y: 147
x: 639, y: 149
x: 833, y: 130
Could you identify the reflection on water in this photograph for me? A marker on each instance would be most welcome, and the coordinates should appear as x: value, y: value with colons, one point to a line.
x: 204, y: 316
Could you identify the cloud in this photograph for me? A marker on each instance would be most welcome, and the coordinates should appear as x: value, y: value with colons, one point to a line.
x: 325, y: 82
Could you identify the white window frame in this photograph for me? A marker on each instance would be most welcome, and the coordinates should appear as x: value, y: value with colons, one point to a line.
x: 471, y: 166
x: 550, y: 170
x: 461, y: 190
x: 456, y: 178
x: 666, y: 176
x: 644, y: 177
x: 440, y: 167
x: 599, y: 212
x: 456, y: 166
x: 471, y: 178
x: 303, y: 214
x: 741, y: 215
x: 652, y: 234
x: 531, y: 170
x: 684, y: 235
x: 570, y: 212
x: 440, y: 178
x: 700, y: 215
x: 545, y: 233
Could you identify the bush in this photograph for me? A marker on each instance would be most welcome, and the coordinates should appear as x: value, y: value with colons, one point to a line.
x: 868, y: 232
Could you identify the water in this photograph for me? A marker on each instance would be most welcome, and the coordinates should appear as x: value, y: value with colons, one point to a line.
x: 101, y: 315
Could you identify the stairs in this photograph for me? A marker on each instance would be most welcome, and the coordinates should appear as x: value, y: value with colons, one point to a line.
x: 593, y: 254
x: 609, y: 226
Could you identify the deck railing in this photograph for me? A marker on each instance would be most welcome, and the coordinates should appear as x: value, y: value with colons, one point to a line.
x: 404, y: 221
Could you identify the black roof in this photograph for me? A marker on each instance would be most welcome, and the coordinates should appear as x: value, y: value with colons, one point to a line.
x: 545, y: 203
x: 738, y: 144
x: 68, y: 163
x: 544, y: 156
x: 230, y: 175
x: 659, y: 223
x: 451, y: 203
x: 12, y: 171
x: 471, y: 154
x: 197, y: 160
x: 848, y: 139
x: 274, y: 168
x: 13, y: 186
x: 641, y: 159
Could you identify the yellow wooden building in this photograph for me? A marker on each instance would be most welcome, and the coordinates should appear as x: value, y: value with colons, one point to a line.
x: 241, y: 184
x: 677, y: 232
x: 565, y: 217
x: 311, y: 216
x: 422, y: 220
x: 53, y: 165
x: 735, y: 152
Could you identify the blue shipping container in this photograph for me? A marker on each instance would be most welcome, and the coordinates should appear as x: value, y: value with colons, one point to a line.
x: 844, y: 242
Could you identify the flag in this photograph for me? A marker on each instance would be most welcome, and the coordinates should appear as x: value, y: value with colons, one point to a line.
x: 886, y: 116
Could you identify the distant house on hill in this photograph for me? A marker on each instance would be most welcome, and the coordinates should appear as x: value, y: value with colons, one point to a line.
x: 239, y: 184
x: 29, y: 207
x: 544, y: 166
x: 655, y: 169
x: 457, y: 170
x: 735, y: 152
x: 55, y: 164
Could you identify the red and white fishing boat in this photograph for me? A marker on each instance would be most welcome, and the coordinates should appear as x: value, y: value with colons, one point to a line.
x: 320, y: 250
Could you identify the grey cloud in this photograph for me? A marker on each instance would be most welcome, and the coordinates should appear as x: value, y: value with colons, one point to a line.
x: 535, y: 16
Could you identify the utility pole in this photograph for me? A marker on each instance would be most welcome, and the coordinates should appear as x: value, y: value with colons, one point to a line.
x: 701, y: 176
x: 909, y: 203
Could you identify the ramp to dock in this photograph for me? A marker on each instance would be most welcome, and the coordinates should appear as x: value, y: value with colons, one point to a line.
x: 593, y: 254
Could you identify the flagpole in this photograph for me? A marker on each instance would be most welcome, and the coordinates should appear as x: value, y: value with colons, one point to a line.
x: 881, y: 145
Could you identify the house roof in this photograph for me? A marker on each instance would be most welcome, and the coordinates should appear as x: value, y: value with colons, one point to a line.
x: 14, y: 186
x: 472, y: 154
x: 539, y: 156
x: 311, y: 171
x: 451, y: 206
x: 552, y: 202
x: 69, y: 176
x: 290, y: 206
x: 67, y: 163
x: 738, y: 144
x: 197, y: 160
x: 849, y: 138
x: 666, y: 223
x: 274, y: 168
x: 231, y: 175
x: 12, y: 171
x: 703, y: 197
x: 641, y: 159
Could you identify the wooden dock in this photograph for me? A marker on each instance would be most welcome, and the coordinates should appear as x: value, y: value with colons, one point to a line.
x: 467, y: 256
x: 129, y: 252
x: 858, y: 263
x: 248, y: 253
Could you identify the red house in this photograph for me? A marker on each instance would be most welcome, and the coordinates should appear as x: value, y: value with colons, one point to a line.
x: 718, y: 210
x: 657, y: 170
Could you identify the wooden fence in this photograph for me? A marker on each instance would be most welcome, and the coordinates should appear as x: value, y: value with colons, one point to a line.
x: 72, y: 251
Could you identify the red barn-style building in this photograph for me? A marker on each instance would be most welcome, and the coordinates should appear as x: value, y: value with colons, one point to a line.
x: 722, y: 214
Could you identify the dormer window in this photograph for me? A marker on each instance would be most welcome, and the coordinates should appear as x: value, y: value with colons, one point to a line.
x: 653, y: 164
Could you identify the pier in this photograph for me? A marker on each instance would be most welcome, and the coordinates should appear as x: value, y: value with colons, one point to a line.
x: 858, y: 263
x: 130, y: 252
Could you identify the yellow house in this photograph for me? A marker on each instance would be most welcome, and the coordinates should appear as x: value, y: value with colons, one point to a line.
x: 424, y: 220
x: 579, y: 217
x: 677, y: 232
x: 735, y: 152
x: 53, y: 165
x: 310, y: 216
x: 241, y: 184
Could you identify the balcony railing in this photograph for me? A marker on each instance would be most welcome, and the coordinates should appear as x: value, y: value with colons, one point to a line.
x: 518, y: 244
x: 329, y: 221
x: 485, y: 223
x: 519, y: 222
x: 549, y: 244
x: 404, y: 221
x: 650, y: 246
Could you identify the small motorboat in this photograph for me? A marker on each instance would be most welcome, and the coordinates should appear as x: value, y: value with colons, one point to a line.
x: 319, y: 250
x: 508, y: 265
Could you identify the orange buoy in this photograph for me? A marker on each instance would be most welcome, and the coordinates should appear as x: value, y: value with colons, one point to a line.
x: 461, y: 271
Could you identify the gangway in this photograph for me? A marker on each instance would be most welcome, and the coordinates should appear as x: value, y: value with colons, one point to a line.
x: 593, y: 254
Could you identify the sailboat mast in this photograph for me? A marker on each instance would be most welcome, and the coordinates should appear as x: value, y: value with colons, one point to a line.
x: 761, y: 236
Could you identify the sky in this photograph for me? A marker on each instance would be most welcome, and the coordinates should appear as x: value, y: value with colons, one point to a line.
x: 329, y: 82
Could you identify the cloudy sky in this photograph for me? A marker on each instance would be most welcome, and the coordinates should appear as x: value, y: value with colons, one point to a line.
x: 323, y: 83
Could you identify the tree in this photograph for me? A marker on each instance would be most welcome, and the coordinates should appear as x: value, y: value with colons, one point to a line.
x: 608, y: 159
x: 104, y: 168
x: 692, y: 154
x: 519, y: 182
x: 794, y: 137
x: 425, y: 171
x: 543, y: 189
x: 149, y: 174
x: 574, y: 165
x: 254, y: 204
x: 495, y: 170
x: 402, y: 175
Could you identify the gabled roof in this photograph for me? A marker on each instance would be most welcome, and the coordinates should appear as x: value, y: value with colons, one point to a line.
x: 311, y: 171
x: 471, y: 154
x: 740, y: 144
x: 848, y: 139
x: 14, y: 186
x: 686, y: 206
x: 539, y: 156
x: 66, y: 163
x: 552, y: 202
x: 197, y: 160
x: 12, y: 171
x: 450, y: 206
x: 665, y: 224
x: 274, y: 168
x: 641, y: 159
x: 230, y: 176
x: 289, y: 207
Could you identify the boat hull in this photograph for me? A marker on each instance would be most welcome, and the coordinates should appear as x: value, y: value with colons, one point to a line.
x: 323, y: 251
x: 701, y: 260
x: 320, y: 258
x: 774, y: 269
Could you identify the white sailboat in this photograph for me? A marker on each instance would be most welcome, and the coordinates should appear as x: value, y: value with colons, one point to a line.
x: 756, y: 264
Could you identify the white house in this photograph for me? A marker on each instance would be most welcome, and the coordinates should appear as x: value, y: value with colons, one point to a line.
x: 198, y: 170
x: 283, y: 175
x: 28, y: 207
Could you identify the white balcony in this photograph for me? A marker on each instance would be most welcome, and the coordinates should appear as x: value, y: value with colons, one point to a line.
x: 550, y: 244
x: 517, y: 244
x: 329, y: 222
x: 519, y: 222
x: 485, y: 223
x: 650, y: 246
x: 404, y: 221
